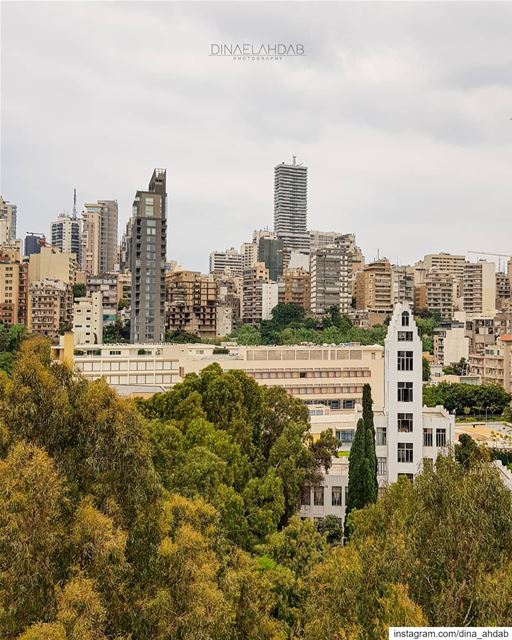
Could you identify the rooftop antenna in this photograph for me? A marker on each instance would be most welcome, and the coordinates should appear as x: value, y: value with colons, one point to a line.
x: 74, y: 204
x: 294, y: 160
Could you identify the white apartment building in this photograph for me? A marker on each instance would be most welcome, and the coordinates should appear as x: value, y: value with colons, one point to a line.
x: 88, y: 319
x: 65, y: 234
x: 269, y: 299
x: 227, y: 262
x: 450, y: 343
x: 407, y: 434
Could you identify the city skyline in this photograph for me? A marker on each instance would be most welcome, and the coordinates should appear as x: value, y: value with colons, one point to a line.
x: 403, y: 139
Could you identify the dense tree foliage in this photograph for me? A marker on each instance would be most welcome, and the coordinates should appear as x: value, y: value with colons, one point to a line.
x: 116, y: 332
x: 182, y: 337
x: 79, y: 290
x: 434, y: 552
x: 174, y: 519
x: 10, y: 341
x: 289, y: 325
x: 456, y: 368
x: 467, y: 399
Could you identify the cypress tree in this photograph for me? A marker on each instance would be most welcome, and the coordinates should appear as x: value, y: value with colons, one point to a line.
x: 355, y: 499
x: 362, y: 469
x: 370, y: 428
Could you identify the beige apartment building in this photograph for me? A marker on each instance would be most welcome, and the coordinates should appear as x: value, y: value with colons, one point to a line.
x: 50, y: 307
x: 91, y: 241
x: 252, y: 293
x: 51, y: 263
x: 192, y: 302
x: 13, y: 290
x: 479, y: 287
x: 495, y: 364
x: 297, y: 288
x: 444, y: 262
x: 322, y: 375
x: 437, y: 293
x: 374, y: 290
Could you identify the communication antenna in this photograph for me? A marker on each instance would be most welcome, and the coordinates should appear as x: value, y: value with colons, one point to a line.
x: 74, y: 204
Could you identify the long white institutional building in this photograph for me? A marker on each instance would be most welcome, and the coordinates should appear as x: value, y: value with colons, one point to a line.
x: 328, y: 378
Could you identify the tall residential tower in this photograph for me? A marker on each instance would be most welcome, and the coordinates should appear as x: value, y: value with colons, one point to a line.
x: 147, y: 261
x: 291, y: 204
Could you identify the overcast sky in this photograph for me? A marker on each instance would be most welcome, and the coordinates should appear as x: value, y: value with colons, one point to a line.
x: 400, y: 111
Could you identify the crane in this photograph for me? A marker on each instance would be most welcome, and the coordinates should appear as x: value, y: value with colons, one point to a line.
x: 488, y: 253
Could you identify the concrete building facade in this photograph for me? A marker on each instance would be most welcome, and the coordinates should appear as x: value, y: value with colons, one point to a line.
x: 88, y: 319
x: 147, y: 261
x: 229, y: 262
x: 297, y: 288
x: 51, y: 263
x: 291, y: 205
x: 191, y: 303
x: 13, y: 290
x: 331, y: 279
x: 65, y: 235
x: 479, y: 287
x: 50, y: 307
x: 8, y: 221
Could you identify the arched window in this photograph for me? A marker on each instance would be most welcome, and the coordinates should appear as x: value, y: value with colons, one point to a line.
x: 405, y: 318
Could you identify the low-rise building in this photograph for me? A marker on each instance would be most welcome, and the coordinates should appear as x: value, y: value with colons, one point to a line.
x: 332, y: 376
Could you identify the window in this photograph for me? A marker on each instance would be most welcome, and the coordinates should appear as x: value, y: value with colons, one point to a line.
x: 405, y: 336
x: 405, y: 392
x: 427, y: 437
x: 405, y: 422
x: 405, y: 452
x: 318, y: 496
x: 407, y: 476
x: 349, y: 404
x: 305, y: 496
x: 381, y: 436
x: 345, y: 436
x: 302, y: 374
x: 336, y: 496
x: 440, y: 437
x: 382, y: 466
x: 405, y: 361
x: 405, y: 319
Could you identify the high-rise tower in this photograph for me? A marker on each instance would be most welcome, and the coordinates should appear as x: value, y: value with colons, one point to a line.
x: 291, y: 204
x: 147, y: 261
